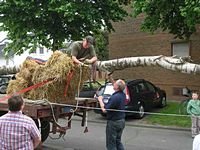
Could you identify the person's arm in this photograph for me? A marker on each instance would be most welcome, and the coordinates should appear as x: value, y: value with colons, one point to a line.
x: 92, y: 55
x: 93, y: 59
x: 76, y: 60
x: 74, y: 53
x: 35, y: 134
x: 36, y: 142
x: 100, y: 98
x: 189, y: 108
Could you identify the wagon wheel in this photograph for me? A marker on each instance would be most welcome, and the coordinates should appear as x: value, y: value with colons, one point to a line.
x: 45, y: 129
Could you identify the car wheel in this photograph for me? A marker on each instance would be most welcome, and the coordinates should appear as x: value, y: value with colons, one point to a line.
x: 3, y: 89
x: 140, y: 113
x: 163, y: 102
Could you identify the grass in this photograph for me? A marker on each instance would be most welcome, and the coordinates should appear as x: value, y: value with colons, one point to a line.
x: 171, y: 108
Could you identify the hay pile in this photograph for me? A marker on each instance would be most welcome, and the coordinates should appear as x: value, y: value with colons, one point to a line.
x: 58, y: 65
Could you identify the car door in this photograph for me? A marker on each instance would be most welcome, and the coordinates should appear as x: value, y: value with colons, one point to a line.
x: 145, y: 95
x: 134, y: 96
x: 136, y: 92
x: 152, y: 93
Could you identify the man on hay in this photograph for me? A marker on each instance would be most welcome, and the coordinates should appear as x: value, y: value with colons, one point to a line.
x: 84, y: 52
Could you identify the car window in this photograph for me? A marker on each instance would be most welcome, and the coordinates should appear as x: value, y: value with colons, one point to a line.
x: 134, y: 89
x: 141, y: 87
x: 4, y: 80
x: 86, y: 86
x: 150, y: 87
x: 95, y: 85
x: 109, y: 89
x: 100, y: 90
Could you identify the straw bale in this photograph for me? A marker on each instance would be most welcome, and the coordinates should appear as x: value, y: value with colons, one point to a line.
x: 58, y: 65
x: 17, y: 85
x: 27, y: 69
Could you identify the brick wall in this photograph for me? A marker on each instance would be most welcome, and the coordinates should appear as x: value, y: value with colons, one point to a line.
x: 128, y: 40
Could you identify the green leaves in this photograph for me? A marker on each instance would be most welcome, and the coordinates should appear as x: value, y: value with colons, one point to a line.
x: 51, y: 22
x: 178, y: 17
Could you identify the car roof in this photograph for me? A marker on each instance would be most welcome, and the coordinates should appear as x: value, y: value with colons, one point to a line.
x: 135, y: 81
x: 129, y: 81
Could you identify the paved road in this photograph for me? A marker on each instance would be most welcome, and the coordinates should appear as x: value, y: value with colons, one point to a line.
x: 134, y: 138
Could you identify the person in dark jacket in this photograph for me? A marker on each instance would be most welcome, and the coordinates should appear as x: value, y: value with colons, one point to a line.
x: 115, y: 116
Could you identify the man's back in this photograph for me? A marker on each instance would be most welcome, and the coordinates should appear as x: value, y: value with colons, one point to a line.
x: 17, y: 131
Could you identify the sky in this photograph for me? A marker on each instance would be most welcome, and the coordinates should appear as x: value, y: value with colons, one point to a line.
x: 2, y: 35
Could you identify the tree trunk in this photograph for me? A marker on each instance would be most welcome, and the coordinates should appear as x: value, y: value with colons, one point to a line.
x: 55, y: 45
x: 182, y: 65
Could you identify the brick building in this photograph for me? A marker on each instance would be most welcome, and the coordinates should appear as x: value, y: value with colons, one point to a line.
x: 128, y: 40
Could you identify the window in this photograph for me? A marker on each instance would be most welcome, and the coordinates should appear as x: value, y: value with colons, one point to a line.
x: 95, y: 85
x: 141, y: 87
x: 177, y: 91
x: 133, y: 89
x: 41, y: 50
x: 181, y: 49
x: 151, y: 87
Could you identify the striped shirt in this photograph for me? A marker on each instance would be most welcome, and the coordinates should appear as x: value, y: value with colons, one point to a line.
x: 17, y: 132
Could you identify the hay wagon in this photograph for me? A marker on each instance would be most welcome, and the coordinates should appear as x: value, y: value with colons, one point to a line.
x: 46, y: 116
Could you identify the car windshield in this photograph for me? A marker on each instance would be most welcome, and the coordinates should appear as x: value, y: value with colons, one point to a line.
x: 109, y: 89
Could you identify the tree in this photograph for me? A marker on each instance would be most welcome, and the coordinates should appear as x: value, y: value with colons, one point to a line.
x: 179, y: 17
x: 102, y: 44
x: 50, y: 22
x: 180, y: 64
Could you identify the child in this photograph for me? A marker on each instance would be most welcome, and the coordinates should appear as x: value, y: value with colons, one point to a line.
x: 193, y: 108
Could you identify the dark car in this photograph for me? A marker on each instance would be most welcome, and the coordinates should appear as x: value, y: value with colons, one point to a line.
x: 141, y: 96
x: 4, y: 80
x: 89, y: 89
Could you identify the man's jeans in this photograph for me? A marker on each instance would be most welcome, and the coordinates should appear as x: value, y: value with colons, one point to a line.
x: 114, y: 131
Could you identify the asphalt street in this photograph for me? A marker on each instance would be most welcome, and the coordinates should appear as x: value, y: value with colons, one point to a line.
x: 134, y: 138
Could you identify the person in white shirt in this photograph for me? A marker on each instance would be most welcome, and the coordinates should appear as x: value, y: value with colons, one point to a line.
x: 196, y: 142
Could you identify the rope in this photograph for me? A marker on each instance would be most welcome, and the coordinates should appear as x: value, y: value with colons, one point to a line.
x: 96, y: 108
x: 69, y: 77
x: 78, y: 93
x: 126, y: 111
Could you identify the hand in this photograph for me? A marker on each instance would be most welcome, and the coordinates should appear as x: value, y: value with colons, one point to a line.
x: 81, y: 64
x: 88, y: 61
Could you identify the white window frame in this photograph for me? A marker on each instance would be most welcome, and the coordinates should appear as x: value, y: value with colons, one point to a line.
x: 181, y: 49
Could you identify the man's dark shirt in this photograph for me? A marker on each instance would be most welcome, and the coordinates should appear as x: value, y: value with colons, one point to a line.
x: 116, y: 101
